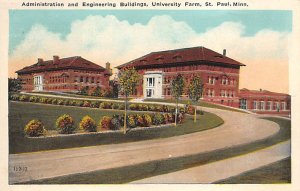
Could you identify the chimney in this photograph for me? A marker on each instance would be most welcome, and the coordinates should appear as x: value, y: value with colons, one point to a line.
x: 55, y: 59
x: 108, y: 67
x: 224, y: 52
x: 40, y: 60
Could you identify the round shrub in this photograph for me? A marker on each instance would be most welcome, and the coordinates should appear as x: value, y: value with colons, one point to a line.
x: 131, y: 121
x: 158, y: 119
x: 115, y: 106
x: 105, y: 105
x: 73, y: 102
x: 105, y: 123
x: 34, y: 128
x: 86, y: 104
x: 95, y: 104
x: 54, y: 101
x: 67, y: 102
x: 171, y: 118
x: 33, y: 99
x: 23, y: 98
x: 43, y: 100
x: 166, y: 116
x: 133, y: 106
x: 79, y: 103
x: 140, y: 121
x: 151, y: 108
x: 190, y: 110
x: 121, y: 106
x: 115, y: 122
x: 65, y: 124
x: 88, y: 124
x: 159, y: 108
x: 60, y: 102
x: 147, y: 120
x: 180, y: 117
x: 49, y: 100
x: 15, y: 97
x: 145, y: 107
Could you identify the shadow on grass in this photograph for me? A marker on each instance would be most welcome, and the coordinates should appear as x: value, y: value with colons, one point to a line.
x: 154, y: 168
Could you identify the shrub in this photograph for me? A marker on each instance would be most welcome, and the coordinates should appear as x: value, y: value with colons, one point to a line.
x: 96, y: 92
x: 121, y: 106
x: 86, y: 104
x: 54, y: 101
x: 67, y: 102
x: 23, y: 98
x: 115, y: 122
x: 105, y: 123
x: 49, y: 101
x: 145, y: 107
x: 166, y: 117
x: 115, y: 106
x: 158, y: 119
x: 140, y: 121
x: 180, y: 117
x: 151, y: 108
x: 79, y: 103
x: 190, y: 110
x: 43, y: 100
x: 60, y: 102
x: 159, y: 108
x: 133, y: 106
x: 147, y: 120
x: 95, y: 104
x: 131, y: 122
x: 73, y: 102
x: 15, y: 97
x: 106, y: 105
x: 171, y: 109
x: 33, y: 99
x: 88, y: 124
x: 34, y: 128
x: 171, y: 118
x: 65, y: 124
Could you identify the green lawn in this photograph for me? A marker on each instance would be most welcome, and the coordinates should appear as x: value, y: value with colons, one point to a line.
x: 278, y: 172
x: 20, y: 113
x: 201, y: 103
x: 154, y: 168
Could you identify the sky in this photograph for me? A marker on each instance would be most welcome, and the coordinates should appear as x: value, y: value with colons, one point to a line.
x: 258, y: 39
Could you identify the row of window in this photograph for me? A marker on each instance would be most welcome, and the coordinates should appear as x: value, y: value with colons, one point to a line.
x: 224, y: 81
x: 86, y: 79
x: 269, y: 105
x: 88, y: 72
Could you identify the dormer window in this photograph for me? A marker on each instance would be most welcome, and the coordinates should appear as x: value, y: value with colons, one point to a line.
x: 177, y: 57
x: 143, y: 61
x: 159, y: 58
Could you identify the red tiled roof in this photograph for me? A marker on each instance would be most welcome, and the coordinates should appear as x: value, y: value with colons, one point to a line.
x: 246, y: 92
x: 75, y: 62
x: 181, y: 55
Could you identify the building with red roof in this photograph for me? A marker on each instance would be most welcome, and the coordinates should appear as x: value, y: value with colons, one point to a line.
x: 219, y: 73
x: 265, y: 102
x: 64, y: 75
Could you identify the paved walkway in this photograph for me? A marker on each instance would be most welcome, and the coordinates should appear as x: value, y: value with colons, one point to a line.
x: 223, y: 169
x: 239, y: 128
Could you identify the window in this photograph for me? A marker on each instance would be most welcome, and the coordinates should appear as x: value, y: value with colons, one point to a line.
x: 150, y: 82
x: 283, y: 106
x: 93, y: 80
x: 81, y: 79
x: 255, y: 105
x: 243, y: 103
x: 269, y: 105
x: 262, y: 105
x: 86, y: 79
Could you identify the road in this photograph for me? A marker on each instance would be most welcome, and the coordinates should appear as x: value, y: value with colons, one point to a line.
x: 239, y: 128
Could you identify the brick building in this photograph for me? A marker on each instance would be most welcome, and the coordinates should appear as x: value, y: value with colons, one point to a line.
x: 220, y: 74
x: 265, y: 102
x: 64, y: 75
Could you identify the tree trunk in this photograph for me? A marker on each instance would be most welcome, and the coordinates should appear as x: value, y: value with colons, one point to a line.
x: 125, y: 116
x: 176, y: 111
x: 195, y: 115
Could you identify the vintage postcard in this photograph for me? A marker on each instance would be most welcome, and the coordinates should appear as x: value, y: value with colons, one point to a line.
x: 150, y: 94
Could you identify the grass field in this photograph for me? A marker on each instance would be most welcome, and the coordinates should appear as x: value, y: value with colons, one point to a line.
x: 20, y: 113
x: 201, y: 103
x: 154, y: 168
x: 278, y: 172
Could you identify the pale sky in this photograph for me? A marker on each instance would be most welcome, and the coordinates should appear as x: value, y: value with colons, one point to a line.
x: 258, y: 39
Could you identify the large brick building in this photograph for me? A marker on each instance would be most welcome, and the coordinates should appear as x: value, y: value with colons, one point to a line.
x: 220, y: 74
x: 265, y: 102
x: 64, y: 75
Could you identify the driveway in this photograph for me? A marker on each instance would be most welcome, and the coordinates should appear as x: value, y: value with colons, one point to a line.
x: 239, y: 128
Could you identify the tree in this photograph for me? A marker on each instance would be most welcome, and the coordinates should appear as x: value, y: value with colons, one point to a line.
x: 195, y: 90
x: 84, y: 91
x: 115, y: 88
x: 97, y: 92
x: 177, y: 86
x: 128, y: 80
x: 14, y: 85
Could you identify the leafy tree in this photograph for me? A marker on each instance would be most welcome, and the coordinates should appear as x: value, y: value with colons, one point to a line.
x: 128, y: 80
x: 14, y: 84
x: 177, y: 86
x: 84, y: 91
x: 97, y: 92
x: 195, y: 90
x: 114, y: 87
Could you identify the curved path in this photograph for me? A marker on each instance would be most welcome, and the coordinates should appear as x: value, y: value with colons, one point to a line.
x: 239, y: 128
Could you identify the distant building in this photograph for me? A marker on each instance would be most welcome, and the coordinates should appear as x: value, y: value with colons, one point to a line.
x: 265, y: 102
x: 220, y: 74
x: 64, y: 75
